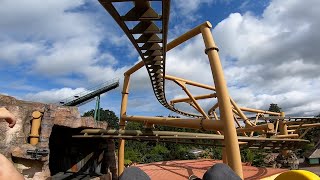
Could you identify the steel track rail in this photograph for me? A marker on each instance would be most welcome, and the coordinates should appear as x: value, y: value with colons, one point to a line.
x: 246, y: 142
x: 153, y: 40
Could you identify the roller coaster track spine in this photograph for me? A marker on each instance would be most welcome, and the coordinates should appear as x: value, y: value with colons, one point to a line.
x: 152, y: 54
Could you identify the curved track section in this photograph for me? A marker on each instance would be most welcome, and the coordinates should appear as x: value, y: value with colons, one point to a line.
x: 149, y: 37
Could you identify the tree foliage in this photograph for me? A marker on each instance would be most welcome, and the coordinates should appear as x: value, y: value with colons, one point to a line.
x: 274, y: 108
x: 105, y: 115
x: 254, y: 157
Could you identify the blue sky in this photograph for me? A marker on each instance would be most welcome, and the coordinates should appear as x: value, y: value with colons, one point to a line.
x: 54, y: 49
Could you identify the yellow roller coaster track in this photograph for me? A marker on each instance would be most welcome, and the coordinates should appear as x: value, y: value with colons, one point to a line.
x: 153, y: 39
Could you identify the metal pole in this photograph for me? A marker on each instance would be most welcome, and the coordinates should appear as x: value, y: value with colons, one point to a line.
x: 123, y: 112
x: 173, y: 78
x: 259, y: 111
x: 283, y: 127
x: 215, y: 115
x: 143, y: 133
x: 230, y: 134
x: 255, y: 123
x: 196, y: 123
x: 214, y: 107
x: 195, y: 97
x: 122, y: 123
x: 186, y: 36
x: 286, y: 136
x: 302, y: 126
x: 224, y: 156
x: 97, y: 109
x: 305, y: 132
x: 267, y: 127
x: 240, y: 113
x: 198, y: 107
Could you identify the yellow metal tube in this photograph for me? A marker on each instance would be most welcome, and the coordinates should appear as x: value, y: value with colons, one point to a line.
x: 286, y: 136
x: 269, y: 127
x: 235, y: 112
x: 237, y: 122
x: 123, y: 112
x: 224, y: 156
x: 143, y: 133
x: 290, y: 123
x: 195, y: 97
x: 173, y: 78
x: 259, y: 111
x: 196, y: 123
x: 305, y: 132
x: 215, y: 115
x: 35, y: 127
x: 230, y: 134
x: 255, y: 123
x: 240, y: 113
x: 283, y: 127
x: 194, y: 106
x: 207, y: 124
x: 291, y: 130
x: 277, y: 127
x: 214, y: 107
x: 257, y: 117
x: 186, y: 36
x: 198, y: 107
x: 304, y: 126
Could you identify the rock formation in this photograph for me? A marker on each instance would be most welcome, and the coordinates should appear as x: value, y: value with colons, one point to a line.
x: 57, y: 152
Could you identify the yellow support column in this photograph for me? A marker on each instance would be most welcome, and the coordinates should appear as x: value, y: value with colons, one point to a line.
x: 123, y: 112
x: 224, y: 156
x: 283, y: 127
x: 230, y: 134
x: 35, y: 126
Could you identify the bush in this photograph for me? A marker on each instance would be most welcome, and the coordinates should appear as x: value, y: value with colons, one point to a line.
x: 131, y: 155
x: 255, y: 157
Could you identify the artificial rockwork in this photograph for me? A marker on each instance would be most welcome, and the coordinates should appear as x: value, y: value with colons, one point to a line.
x: 56, y: 152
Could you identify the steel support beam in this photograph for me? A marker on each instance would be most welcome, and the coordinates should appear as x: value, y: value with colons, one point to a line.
x: 122, y: 123
x: 230, y: 134
x: 187, y: 99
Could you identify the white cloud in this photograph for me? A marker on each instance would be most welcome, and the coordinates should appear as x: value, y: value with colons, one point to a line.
x: 53, y: 95
x: 15, y: 52
x: 190, y: 6
x: 276, y: 56
x: 57, y: 40
x: 267, y: 59
x: 65, y: 57
x: 38, y: 19
x: 272, y: 58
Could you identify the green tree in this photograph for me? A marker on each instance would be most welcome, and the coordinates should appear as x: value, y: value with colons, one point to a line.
x: 216, y: 152
x: 132, y: 155
x: 134, y: 126
x: 157, y: 153
x: 105, y: 115
x: 274, y: 108
x: 255, y: 157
